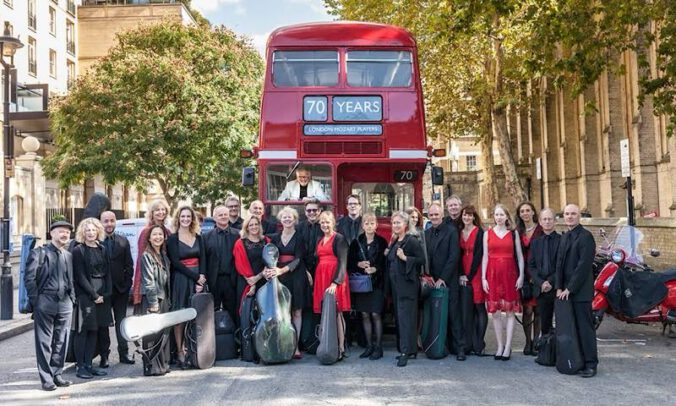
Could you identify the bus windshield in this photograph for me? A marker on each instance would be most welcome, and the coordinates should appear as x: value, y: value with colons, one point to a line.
x: 304, y: 68
x: 379, y: 69
x: 383, y: 199
x: 295, y: 182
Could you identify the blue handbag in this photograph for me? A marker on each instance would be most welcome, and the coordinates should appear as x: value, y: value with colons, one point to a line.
x: 360, y: 283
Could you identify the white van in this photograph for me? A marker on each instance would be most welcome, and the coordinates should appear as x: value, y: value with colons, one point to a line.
x: 131, y: 228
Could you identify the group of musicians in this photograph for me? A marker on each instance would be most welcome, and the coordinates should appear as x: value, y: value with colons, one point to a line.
x: 484, y: 272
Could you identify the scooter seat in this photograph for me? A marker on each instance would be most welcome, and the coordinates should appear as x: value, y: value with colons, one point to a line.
x: 668, y: 276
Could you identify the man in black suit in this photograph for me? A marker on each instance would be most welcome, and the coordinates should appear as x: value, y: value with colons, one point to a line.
x: 49, y: 284
x: 350, y: 225
x: 542, y: 267
x: 575, y: 282
x: 454, y: 208
x: 443, y: 251
x: 234, y: 207
x: 221, y: 275
x: 122, y: 273
x: 311, y: 233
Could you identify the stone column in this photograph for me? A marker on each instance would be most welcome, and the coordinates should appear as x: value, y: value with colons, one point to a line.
x: 34, y: 200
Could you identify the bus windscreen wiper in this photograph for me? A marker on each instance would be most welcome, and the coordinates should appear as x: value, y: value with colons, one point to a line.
x: 292, y: 170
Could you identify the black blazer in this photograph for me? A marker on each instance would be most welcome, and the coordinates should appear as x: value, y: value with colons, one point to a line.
x: 177, y: 266
x: 574, y: 261
x: 536, y: 260
x: 311, y: 233
x: 477, y: 255
x: 444, y: 253
x: 120, y: 263
x: 415, y: 259
x: 214, y: 251
x: 358, y: 249
x: 83, y: 278
x: 35, y: 279
x: 345, y: 225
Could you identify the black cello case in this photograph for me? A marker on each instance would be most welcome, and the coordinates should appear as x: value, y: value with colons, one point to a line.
x: 247, y: 326
x: 201, y: 337
x: 568, y: 354
x: 226, y: 347
x: 328, y: 350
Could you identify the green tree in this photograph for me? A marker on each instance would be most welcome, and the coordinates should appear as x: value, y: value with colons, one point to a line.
x: 168, y: 103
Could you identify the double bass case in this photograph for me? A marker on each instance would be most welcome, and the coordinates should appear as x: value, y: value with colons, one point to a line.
x: 226, y: 347
x: 247, y: 326
x: 568, y: 354
x: 200, y: 337
x: 435, y: 323
x: 328, y: 350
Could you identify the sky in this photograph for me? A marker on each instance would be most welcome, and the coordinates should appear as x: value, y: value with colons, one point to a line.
x: 258, y: 18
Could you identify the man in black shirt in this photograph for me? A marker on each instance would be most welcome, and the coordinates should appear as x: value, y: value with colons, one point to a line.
x: 221, y: 275
x: 49, y: 283
x: 350, y: 226
x: 311, y: 233
x: 542, y: 268
x: 454, y: 208
x: 122, y: 272
x: 234, y: 207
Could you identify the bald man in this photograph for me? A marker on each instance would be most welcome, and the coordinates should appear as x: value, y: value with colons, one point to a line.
x: 575, y: 282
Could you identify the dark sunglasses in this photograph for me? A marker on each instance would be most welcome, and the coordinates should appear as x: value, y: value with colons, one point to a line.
x: 311, y: 210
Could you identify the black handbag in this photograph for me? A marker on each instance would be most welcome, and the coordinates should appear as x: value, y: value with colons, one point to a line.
x: 360, y: 283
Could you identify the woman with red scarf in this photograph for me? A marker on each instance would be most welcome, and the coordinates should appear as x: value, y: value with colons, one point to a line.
x: 248, y: 253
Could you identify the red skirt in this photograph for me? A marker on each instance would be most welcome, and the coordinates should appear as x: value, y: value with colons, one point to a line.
x: 502, y: 274
x: 323, y: 278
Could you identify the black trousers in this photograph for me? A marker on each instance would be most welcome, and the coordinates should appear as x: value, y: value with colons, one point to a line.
x: 405, y: 296
x: 119, y: 302
x: 455, y: 338
x: 52, y: 325
x: 84, y: 347
x: 475, y: 320
x: 225, y: 295
x: 584, y: 320
x: 546, y: 305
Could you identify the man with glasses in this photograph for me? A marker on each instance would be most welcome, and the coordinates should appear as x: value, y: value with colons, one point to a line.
x: 350, y: 226
x: 311, y: 233
x: 233, y: 206
x: 303, y: 188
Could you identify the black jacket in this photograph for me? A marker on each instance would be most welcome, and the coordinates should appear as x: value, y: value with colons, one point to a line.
x: 350, y: 229
x: 175, y: 259
x: 214, y: 252
x: 406, y: 281
x: 340, y: 250
x: 311, y: 233
x: 120, y: 263
x: 35, y: 278
x: 477, y: 255
x: 359, y: 252
x: 536, y: 260
x: 82, y: 273
x: 237, y: 223
x: 574, y: 261
x: 443, y: 250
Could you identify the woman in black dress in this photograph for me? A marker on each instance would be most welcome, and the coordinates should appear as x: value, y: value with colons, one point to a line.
x: 291, y: 267
x: 367, y: 256
x: 187, y: 255
x: 405, y: 258
x: 93, y: 287
x: 156, y: 299
x: 248, y: 254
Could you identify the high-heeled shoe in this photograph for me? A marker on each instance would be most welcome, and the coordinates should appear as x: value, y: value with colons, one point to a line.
x: 377, y: 353
x: 498, y: 355
x: 507, y: 357
x: 528, y: 348
x: 367, y: 352
x: 402, y: 360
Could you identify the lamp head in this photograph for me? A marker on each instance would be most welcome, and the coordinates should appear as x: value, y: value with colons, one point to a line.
x: 8, y: 43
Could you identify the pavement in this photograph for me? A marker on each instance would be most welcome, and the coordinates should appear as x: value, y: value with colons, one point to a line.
x: 19, y: 324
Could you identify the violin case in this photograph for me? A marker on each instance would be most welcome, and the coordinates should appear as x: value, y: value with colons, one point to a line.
x: 328, y: 350
x: 435, y: 323
x: 200, y: 335
x: 226, y: 347
x: 274, y: 334
x: 568, y: 354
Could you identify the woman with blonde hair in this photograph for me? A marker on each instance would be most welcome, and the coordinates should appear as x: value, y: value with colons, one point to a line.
x: 93, y: 287
x: 187, y: 255
x: 248, y: 254
x: 502, y: 276
x: 156, y: 215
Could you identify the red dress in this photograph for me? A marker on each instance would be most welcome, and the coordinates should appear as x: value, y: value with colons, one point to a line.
x: 502, y: 273
x: 467, y: 248
x: 327, y: 262
x: 525, y: 247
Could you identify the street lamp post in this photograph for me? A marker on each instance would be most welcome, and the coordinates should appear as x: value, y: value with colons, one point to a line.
x: 8, y: 46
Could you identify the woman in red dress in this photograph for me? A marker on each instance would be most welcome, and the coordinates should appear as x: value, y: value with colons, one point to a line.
x: 502, y: 277
x: 529, y: 229
x: 472, y: 297
x: 331, y: 273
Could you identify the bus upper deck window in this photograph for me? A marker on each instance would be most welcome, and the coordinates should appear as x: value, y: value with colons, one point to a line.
x: 379, y: 68
x: 304, y: 68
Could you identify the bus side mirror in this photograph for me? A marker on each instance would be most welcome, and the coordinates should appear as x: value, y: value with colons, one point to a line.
x: 248, y: 176
x: 437, y: 175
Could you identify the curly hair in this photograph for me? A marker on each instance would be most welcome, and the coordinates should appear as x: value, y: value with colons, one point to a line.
x: 100, y: 233
x: 194, y: 224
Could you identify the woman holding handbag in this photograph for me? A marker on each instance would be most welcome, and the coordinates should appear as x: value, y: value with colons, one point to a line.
x: 366, y: 261
x: 529, y: 229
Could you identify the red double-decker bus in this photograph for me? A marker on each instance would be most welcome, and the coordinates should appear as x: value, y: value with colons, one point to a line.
x: 342, y: 104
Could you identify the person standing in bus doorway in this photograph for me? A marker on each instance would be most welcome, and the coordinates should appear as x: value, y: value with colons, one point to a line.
x: 454, y: 207
x: 234, y: 207
x: 51, y: 294
x: 350, y: 226
x: 310, y: 232
x: 221, y: 275
x: 121, y: 271
x: 303, y: 188
x: 443, y: 252
x: 268, y: 225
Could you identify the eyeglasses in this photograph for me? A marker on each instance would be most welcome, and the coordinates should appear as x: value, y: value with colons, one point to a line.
x: 232, y: 207
x: 303, y: 177
x: 311, y: 210
x: 353, y: 204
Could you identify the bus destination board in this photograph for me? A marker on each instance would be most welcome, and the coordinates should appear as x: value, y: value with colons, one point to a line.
x: 343, y: 129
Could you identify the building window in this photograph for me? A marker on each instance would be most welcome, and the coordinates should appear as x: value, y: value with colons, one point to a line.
x: 52, y: 21
x: 70, y: 37
x: 32, y: 62
x: 70, y: 65
x: 471, y: 162
x: 71, y: 7
x: 32, y: 20
x: 52, y: 63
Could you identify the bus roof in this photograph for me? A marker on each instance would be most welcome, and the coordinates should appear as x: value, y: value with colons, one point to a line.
x: 340, y: 33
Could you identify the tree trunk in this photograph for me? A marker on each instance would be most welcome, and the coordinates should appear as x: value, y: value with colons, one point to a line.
x: 490, y: 187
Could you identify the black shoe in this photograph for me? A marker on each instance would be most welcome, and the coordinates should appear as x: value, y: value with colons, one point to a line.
x: 402, y: 360
x: 124, y: 359
x: 60, y: 382
x: 461, y: 356
x: 507, y: 357
x: 588, y: 372
x: 377, y: 353
x: 97, y: 372
x: 481, y: 353
x: 48, y: 386
x: 528, y: 349
x: 83, y: 373
x: 367, y: 352
x: 533, y: 350
x: 104, y: 362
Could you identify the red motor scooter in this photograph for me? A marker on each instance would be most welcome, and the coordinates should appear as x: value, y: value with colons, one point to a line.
x: 629, y: 290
